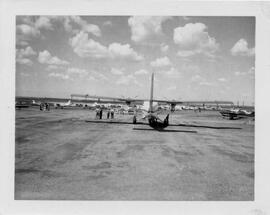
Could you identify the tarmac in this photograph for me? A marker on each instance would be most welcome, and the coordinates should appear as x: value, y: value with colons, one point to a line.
x: 66, y: 155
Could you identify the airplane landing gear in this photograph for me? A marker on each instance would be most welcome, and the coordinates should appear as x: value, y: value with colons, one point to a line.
x: 134, y: 120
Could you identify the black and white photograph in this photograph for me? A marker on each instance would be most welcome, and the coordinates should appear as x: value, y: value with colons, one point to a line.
x: 146, y: 107
x: 134, y: 108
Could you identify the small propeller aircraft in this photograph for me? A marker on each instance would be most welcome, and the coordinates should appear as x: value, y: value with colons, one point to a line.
x: 62, y: 104
x: 236, y: 113
x: 34, y: 103
x: 149, y: 109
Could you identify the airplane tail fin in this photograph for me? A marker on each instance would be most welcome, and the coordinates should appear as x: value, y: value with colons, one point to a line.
x: 151, y: 93
x: 166, y: 120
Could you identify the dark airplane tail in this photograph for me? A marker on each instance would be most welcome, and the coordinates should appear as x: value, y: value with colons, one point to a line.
x: 166, y: 120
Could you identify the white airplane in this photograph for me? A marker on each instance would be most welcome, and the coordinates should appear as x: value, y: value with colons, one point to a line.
x: 63, y: 104
x: 150, y: 108
x: 91, y: 105
x: 34, y: 103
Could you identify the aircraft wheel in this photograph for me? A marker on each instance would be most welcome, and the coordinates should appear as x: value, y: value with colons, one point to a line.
x: 134, y: 119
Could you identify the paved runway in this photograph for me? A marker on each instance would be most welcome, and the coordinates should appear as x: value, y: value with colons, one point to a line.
x: 59, y: 155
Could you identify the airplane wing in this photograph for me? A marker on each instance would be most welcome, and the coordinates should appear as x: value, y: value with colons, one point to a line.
x: 108, y: 98
x: 175, y: 102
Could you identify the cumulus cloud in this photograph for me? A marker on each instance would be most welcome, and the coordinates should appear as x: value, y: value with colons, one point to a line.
x: 141, y: 72
x: 117, y: 71
x: 240, y: 48
x: 107, y: 23
x: 87, y: 27
x: 251, y: 72
x: 45, y: 57
x: 194, y: 39
x: 145, y: 27
x: 69, y: 73
x: 186, y: 18
x: 117, y: 50
x: 27, y: 31
x: 97, y: 75
x: 77, y: 72
x: 127, y: 80
x: 86, y: 47
x: 91, y: 78
x: 206, y: 83
x: 161, y: 62
x: 190, y: 68
x: 58, y: 75
x: 29, y: 20
x: 196, y: 78
x: 238, y: 73
x: 222, y: 79
x: 171, y: 72
x: 164, y: 47
x: 65, y: 21
x: 23, y: 54
x: 44, y: 22
x: 21, y: 42
x: 75, y: 24
x: 31, y: 25
x: 27, y: 52
x: 101, y: 76
x: 52, y: 67
x: 24, y: 61
x: 186, y: 53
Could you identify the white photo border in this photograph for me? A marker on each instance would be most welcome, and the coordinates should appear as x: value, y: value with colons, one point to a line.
x: 8, y: 11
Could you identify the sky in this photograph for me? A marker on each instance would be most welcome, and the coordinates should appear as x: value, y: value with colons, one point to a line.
x: 193, y: 58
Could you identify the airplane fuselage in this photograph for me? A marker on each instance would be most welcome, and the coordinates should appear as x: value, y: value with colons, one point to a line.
x: 157, y: 123
x: 151, y: 108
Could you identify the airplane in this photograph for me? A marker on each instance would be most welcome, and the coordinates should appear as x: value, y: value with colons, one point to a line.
x: 150, y: 107
x: 236, y: 113
x: 62, y: 104
x: 20, y: 105
x: 34, y: 103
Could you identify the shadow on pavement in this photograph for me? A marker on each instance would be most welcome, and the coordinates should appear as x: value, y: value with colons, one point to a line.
x: 144, y: 123
x: 115, y: 122
x: 164, y: 130
x: 205, y: 126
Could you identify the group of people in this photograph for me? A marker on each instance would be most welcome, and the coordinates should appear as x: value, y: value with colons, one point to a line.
x: 99, y: 113
x: 44, y: 106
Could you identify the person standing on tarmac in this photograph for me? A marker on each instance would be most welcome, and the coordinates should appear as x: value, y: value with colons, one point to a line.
x: 97, y: 113
x: 108, y: 114
x: 100, y: 113
x: 112, y: 113
x: 47, y: 106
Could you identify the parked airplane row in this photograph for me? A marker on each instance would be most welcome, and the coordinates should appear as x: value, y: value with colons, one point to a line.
x: 150, y: 108
x: 145, y: 108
